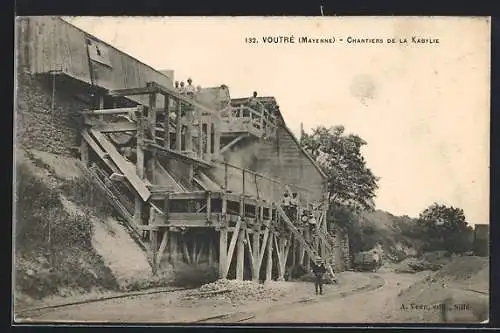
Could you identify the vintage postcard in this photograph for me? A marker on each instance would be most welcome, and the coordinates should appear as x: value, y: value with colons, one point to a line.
x: 251, y: 170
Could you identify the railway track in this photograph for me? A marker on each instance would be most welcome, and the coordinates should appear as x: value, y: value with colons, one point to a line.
x: 98, y: 299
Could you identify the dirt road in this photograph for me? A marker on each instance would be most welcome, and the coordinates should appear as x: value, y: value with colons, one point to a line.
x: 347, y: 302
x: 364, y: 307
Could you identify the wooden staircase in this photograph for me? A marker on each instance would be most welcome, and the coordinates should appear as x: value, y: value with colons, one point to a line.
x: 307, y: 246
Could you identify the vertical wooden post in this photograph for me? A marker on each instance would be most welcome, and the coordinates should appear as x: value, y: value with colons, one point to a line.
x: 243, y: 173
x: 101, y: 103
x: 178, y: 126
x: 209, y: 140
x: 166, y: 206
x: 200, y: 133
x: 152, y: 114
x: 223, y: 240
x: 166, y: 122
x: 163, y: 244
x: 222, y: 252
x: 217, y: 137
x: 189, y: 129
x: 140, y: 143
x: 280, y: 250
x: 241, y: 246
x: 255, y: 250
x: 301, y: 249
x: 225, y: 176
x: 154, y: 248
x: 269, y: 266
x: 140, y: 162
x: 209, y: 206
x: 240, y: 259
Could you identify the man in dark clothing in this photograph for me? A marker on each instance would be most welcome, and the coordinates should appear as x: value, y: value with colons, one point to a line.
x: 319, y: 269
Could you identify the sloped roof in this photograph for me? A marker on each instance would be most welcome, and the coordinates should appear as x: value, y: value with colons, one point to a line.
x: 270, y: 102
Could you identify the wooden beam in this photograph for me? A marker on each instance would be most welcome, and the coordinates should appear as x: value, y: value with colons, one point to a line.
x: 217, y: 138
x: 186, y: 251
x: 109, y: 111
x: 161, y: 250
x: 198, y: 195
x: 209, y: 141
x: 255, y: 256
x: 147, y: 227
x: 154, y: 248
x: 133, y: 91
x: 152, y: 115
x: 171, y: 92
x: 189, y: 131
x: 222, y: 253
x: 240, y: 258
x: 269, y: 266
x: 278, y: 242
x: 100, y: 153
x: 135, y: 180
x: 233, y: 142
x: 178, y: 127
x: 209, y: 206
x: 200, y: 138
x: 263, y: 246
x: 249, y: 245
x: 232, y: 244
x: 194, y: 251
x: 166, y: 123
x: 200, y: 252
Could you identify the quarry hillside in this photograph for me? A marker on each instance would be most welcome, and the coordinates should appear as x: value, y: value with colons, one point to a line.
x: 64, y: 245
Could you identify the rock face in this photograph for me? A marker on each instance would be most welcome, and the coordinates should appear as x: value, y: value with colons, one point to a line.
x: 37, y: 125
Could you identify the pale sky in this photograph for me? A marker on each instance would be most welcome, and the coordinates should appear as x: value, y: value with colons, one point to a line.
x: 422, y: 108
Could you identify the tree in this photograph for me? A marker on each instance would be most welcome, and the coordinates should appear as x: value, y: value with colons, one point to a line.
x: 350, y: 183
x: 445, y: 228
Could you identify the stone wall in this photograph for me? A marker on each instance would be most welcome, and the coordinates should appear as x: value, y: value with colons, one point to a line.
x: 39, y: 127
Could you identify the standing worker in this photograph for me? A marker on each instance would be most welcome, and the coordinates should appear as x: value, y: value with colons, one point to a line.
x: 190, y: 89
x: 182, y: 90
x: 312, y: 222
x: 319, y: 270
x: 294, y: 206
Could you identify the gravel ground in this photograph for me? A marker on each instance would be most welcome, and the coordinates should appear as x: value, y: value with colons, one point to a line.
x: 187, y: 306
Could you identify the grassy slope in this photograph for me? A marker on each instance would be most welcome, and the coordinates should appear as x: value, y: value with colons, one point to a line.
x: 63, y: 263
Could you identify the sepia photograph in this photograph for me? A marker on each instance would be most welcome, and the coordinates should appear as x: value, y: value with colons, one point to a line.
x: 251, y: 170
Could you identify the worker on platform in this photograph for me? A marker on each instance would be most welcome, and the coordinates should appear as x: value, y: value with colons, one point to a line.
x: 319, y: 270
x: 312, y: 222
x: 182, y: 89
x: 304, y: 218
x: 190, y: 89
x: 177, y: 86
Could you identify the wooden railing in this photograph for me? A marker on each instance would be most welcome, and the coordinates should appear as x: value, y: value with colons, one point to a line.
x: 243, y: 117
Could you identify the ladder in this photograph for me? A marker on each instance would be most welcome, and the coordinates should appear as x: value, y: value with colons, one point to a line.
x: 308, y: 248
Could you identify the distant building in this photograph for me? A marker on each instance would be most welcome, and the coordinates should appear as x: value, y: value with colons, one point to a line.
x: 481, y: 239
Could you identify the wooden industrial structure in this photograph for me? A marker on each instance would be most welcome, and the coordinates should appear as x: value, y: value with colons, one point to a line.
x: 200, y: 179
